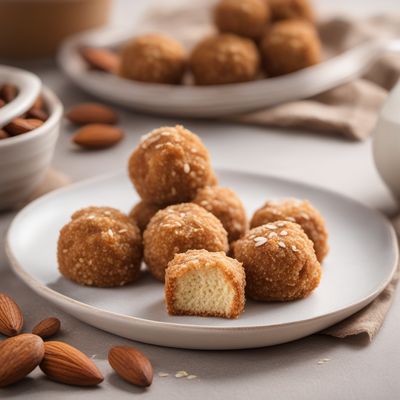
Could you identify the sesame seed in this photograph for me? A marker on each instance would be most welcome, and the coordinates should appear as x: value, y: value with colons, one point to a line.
x: 305, y: 216
x: 291, y: 219
x: 281, y: 224
x: 283, y: 233
x: 65, y: 251
x: 110, y: 232
x: 186, y: 168
x: 163, y: 374
x: 191, y: 377
x: 123, y: 230
x: 260, y: 241
x: 294, y: 248
x: 107, y: 213
x: 181, y: 374
x: 91, y: 217
x: 271, y: 226
x: 272, y: 235
x: 282, y: 244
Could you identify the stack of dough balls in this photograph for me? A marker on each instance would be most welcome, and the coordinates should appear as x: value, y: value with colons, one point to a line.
x: 277, y: 35
x: 184, y: 226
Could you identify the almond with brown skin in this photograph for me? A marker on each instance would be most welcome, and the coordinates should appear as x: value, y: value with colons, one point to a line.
x: 131, y: 365
x: 92, y: 113
x: 19, y: 356
x: 18, y: 126
x: 11, y: 318
x: 101, y: 59
x: 8, y: 92
x: 37, y: 113
x: 97, y: 136
x: 3, y: 134
x: 47, y: 327
x: 66, y: 364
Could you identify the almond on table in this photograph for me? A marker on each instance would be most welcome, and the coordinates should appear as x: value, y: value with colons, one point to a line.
x: 11, y: 318
x: 47, y: 327
x: 19, y: 356
x: 97, y: 136
x: 66, y: 364
x: 131, y: 365
x: 92, y: 113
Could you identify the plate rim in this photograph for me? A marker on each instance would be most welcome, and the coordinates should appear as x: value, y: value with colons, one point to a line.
x: 49, y: 294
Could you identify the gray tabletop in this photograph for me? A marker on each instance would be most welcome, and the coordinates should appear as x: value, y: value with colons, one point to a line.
x: 355, y: 370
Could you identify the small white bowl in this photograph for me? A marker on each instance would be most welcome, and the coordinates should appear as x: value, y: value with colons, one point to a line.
x: 25, y: 158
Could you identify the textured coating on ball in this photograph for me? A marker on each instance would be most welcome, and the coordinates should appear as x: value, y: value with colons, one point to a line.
x: 289, y: 46
x: 291, y: 9
x: 153, y: 58
x: 246, y: 18
x: 169, y: 165
x: 224, y: 58
x: 301, y: 212
x: 226, y: 205
x: 99, y: 250
x: 279, y: 261
x: 142, y: 213
x: 179, y: 228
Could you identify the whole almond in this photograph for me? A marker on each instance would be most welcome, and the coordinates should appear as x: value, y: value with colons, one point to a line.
x: 8, y: 92
x: 11, y: 318
x: 97, y: 136
x: 131, y: 365
x: 47, y: 327
x: 2, y: 103
x: 3, y: 134
x: 19, y: 356
x: 92, y: 113
x: 101, y: 59
x: 37, y: 113
x: 18, y: 126
x: 66, y: 364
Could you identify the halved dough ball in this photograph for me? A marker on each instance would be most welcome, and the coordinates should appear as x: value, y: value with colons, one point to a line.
x: 226, y: 205
x: 224, y: 58
x: 303, y: 213
x: 169, y: 166
x: 179, y: 228
x: 246, y: 18
x: 153, y: 58
x: 279, y: 261
x: 206, y: 284
x: 290, y: 46
x: 98, y: 247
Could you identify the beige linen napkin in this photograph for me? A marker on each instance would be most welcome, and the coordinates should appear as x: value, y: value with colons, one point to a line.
x: 349, y: 110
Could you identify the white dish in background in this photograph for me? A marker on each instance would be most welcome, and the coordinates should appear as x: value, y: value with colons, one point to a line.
x: 24, y: 159
x: 217, y: 100
x: 361, y: 262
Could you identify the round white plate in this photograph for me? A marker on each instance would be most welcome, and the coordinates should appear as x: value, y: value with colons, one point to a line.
x: 361, y: 262
x: 209, y: 101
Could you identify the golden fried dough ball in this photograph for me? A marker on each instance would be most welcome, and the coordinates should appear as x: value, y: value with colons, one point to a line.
x: 289, y: 46
x: 153, y: 58
x: 100, y: 250
x: 303, y: 213
x: 246, y: 18
x: 179, y: 228
x: 142, y: 213
x: 291, y: 9
x: 102, y: 211
x: 225, y: 204
x: 279, y: 261
x: 203, y: 283
x: 169, y: 165
x: 224, y: 58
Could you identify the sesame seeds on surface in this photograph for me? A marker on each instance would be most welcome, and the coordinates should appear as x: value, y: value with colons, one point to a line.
x: 283, y: 233
x: 271, y: 226
x: 186, y: 168
x: 271, y: 235
x: 260, y: 240
x: 181, y: 374
x: 282, y: 244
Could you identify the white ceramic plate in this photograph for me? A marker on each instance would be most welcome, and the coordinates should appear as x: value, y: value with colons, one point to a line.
x: 209, y: 101
x: 362, y: 260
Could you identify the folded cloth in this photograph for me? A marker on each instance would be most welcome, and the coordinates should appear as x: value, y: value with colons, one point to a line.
x: 350, y: 110
x: 369, y: 320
